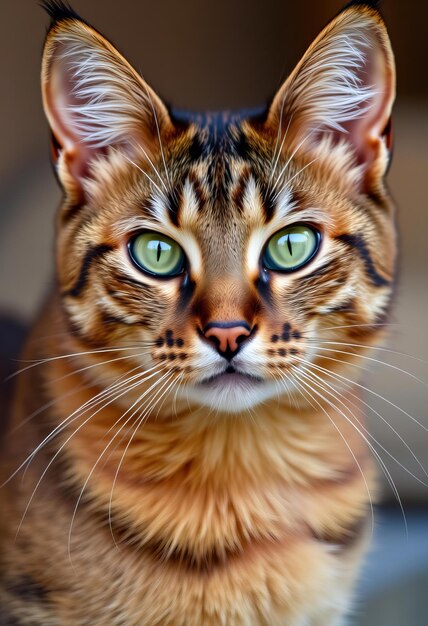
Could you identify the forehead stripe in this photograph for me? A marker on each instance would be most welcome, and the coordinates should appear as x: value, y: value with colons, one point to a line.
x: 173, y: 205
x: 268, y: 203
x: 238, y: 193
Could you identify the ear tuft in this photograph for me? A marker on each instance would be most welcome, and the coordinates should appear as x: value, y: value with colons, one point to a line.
x: 59, y: 11
x: 344, y: 89
x: 94, y: 100
x: 370, y: 4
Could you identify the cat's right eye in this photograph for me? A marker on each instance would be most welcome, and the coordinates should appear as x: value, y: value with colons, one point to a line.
x: 157, y: 254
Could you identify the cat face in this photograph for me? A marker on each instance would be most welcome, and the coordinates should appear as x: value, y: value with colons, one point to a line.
x: 234, y: 251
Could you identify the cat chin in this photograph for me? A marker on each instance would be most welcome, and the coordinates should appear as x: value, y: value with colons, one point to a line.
x: 231, y: 393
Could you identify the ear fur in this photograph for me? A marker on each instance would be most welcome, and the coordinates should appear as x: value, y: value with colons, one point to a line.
x: 343, y: 90
x: 93, y: 99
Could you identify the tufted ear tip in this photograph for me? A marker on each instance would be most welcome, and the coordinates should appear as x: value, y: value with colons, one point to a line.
x: 93, y: 98
x: 58, y: 10
x: 370, y: 4
x: 342, y: 91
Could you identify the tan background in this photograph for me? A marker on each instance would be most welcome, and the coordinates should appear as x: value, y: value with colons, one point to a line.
x: 214, y: 54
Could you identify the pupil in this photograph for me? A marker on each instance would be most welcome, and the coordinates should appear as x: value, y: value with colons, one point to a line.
x: 290, y: 249
x: 158, y: 252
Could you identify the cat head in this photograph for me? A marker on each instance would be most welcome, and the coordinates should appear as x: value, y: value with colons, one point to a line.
x: 237, y: 254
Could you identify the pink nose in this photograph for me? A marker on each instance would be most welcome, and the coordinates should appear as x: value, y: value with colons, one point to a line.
x: 227, y: 336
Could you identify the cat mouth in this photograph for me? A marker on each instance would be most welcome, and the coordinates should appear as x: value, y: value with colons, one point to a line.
x: 231, y: 390
x: 231, y: 377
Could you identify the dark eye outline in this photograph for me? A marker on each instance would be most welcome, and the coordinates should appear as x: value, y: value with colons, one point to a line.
x: 270, y: 264
x: 143, y: 269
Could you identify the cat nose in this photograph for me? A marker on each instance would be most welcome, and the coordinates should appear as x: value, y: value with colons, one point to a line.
x: 227, y: 337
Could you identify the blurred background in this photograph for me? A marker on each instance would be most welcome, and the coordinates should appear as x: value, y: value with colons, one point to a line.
x: 210, y: 54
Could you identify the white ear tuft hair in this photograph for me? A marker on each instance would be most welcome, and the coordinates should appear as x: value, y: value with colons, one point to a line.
x: 344, y: 86
x: 93, y: 98
x: 329, y: 89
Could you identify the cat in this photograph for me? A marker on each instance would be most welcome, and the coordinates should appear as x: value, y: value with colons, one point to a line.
x: 188, y: 444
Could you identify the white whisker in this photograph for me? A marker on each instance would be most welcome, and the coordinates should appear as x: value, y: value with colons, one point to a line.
x: 362, y: 435
x: 140, y: 420
x: 153, y: 167
x: 348, y: 386
x: 303, y: 386
x: 357, y: 326
x: 97, y: 399
x: 67, y: 441
x: 136, y: 402
x: 283, y: 170
x: 371, y: 391
x: 374, y: 347
x: 37, y: 362
x: 288, y: 181
x: 282, y: 143
x: 374, y: 360
x: 159, y: 139
x: 140, y: 169
x: 76, y: 389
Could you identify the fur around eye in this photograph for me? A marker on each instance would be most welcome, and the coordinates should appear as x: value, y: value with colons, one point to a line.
x: 291, y: 248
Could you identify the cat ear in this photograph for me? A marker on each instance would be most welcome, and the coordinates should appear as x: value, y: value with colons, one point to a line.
x: 343, y: 88
x: 93, y: 99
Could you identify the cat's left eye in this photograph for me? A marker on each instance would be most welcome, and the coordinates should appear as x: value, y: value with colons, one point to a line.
x: 291, y: 248
x: 157, y: 254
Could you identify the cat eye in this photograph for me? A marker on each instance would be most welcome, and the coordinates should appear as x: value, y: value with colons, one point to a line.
x: 291, y: 248
x: 157, y: 254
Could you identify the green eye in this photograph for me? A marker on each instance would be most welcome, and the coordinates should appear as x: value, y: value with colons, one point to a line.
x: 157, y: 254
x: 291, y: 248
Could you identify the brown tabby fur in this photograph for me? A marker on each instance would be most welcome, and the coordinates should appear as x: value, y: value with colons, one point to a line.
x: 199, y: 515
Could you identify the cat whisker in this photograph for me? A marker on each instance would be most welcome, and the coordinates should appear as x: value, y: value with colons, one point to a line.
x: 348, y: 388
x: 140, y: 421
x: 94, y: 401
x: 283, y: 379
x: 377, y: 348
x: 289, y: 180
x: 68, y: 439
x: 134, y: 404
x: 362, y: 435
x: 358, y: 326
x: 304, y: 388
x: 121, y: 439
x: 160, y: 140
x: 42, y: 339
x: 37, y: 362
x: 173, y: 384
x: 371, y: 391
x: 374, y: 360
x: 140, y: 169
x: 278, y: 135
x: 153, y: 166
x: 273, y: 170
x: 284, y: 168
x: 174, y: 404
x: 76, y: 389
x: 97, y: 399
